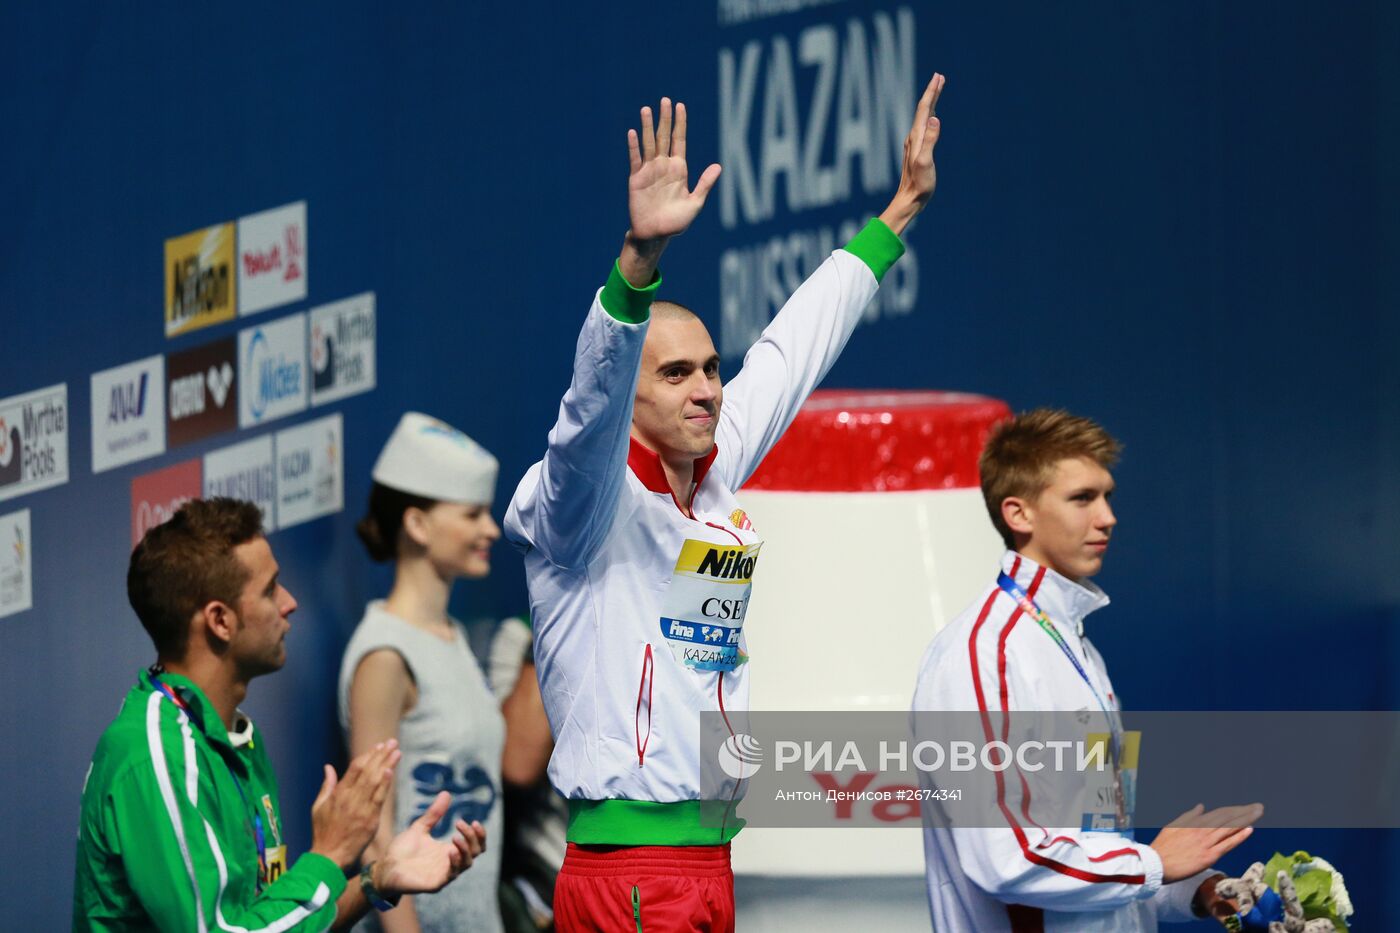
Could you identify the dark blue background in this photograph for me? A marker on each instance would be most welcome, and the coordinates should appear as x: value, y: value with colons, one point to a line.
x: 1180, y: 219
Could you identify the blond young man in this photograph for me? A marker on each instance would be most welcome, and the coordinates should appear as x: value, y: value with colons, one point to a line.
x: 1020, y: 648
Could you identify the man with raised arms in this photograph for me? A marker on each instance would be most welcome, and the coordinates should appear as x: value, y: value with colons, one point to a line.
x: 639, y: 559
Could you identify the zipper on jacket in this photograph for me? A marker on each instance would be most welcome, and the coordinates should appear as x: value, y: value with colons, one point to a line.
x: 637, y: 906
x: 645, y: 687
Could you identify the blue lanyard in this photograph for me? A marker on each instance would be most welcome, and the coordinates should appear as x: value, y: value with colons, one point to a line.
x: 1029, y: 607
x: 257, y: 818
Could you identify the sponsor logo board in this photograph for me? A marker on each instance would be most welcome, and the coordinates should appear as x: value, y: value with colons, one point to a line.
x: 245, y: 471
x: 158, y: 495
x: 310, y: 471
x: 33, y: 441
x: 128, y: 413
x: 272, y: 258
x: 272, y: 366
x: 200, y: 284
x: 16, y: 564
x: 201, y: 386
x: 342, y: 349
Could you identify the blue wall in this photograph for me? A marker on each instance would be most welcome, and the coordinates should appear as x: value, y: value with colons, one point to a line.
x: 1181, y: 219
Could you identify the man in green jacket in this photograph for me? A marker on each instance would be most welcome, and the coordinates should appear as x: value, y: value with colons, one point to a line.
x: 181, y: 828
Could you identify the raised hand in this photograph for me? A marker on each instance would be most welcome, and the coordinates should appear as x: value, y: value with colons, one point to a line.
x: 414, y: 862
x: 345, y: 815
x: 659, y: 200
x: 1195, y: 840
x: 919, y: 176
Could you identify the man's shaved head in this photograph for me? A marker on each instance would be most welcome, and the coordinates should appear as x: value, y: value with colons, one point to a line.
x: 671, y: 311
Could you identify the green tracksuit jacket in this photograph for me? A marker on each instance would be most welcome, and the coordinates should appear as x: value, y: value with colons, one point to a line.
x: 167, y: 837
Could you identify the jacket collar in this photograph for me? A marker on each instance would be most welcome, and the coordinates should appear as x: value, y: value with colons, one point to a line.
x: 201, y: 711
x: 646, y: 465
x: 1064, y: 601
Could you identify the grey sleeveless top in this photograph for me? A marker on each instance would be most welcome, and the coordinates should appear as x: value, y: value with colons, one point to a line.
x: 451, y: 740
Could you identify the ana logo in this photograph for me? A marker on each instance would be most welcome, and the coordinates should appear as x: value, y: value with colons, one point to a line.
x: 740, y: 756
x: 219, y: 379
x: 128, y: 400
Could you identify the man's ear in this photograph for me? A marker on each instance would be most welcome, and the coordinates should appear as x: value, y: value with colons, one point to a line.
x: 219, y: 621
x: 1018, y: 515
x: 415, y: 525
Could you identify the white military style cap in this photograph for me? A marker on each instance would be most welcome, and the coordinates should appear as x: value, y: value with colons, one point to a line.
x: 429, y: 458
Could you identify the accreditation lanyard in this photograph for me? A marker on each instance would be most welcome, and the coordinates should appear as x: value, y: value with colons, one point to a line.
x: 247, y: 808
x: 1013, y: 589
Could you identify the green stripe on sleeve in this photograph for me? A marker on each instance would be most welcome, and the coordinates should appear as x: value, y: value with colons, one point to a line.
x: 626, y: 303
x: 877, y: 246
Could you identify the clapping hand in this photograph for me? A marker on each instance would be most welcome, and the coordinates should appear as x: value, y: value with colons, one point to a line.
x: 415, y: 863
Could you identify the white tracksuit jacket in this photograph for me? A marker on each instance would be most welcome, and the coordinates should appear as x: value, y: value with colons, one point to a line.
x: 1023, y: 876
x: 634, y: 626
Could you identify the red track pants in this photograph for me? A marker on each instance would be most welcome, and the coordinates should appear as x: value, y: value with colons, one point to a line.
x: 645, y: 889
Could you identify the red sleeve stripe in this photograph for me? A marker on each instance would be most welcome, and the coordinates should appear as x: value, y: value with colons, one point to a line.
x: 1031, y: 856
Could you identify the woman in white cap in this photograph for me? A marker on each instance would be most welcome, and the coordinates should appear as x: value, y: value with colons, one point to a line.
x: 408, y: 672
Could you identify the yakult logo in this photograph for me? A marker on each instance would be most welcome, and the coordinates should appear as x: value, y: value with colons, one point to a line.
x: 272, y: 258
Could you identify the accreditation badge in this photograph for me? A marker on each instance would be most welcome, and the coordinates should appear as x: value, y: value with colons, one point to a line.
x: 272, y: 818
x: 1111, y: 794
x: 702, y: 615
x: 273, y: 865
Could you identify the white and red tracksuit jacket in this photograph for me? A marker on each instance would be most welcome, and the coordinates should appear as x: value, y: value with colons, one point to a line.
x: 1022, y: 876
x: 604, y: 541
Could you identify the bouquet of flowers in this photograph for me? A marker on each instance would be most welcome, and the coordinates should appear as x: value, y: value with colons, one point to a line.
x: 1303, y: 894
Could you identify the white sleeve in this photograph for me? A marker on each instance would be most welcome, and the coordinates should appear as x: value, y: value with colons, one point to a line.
x: 564, y: 505
x: 1019, y: 861
x: 1172, y: 903
x: 796, y: 350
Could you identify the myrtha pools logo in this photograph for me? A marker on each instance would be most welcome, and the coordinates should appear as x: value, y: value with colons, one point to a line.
x: 740, y: 756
